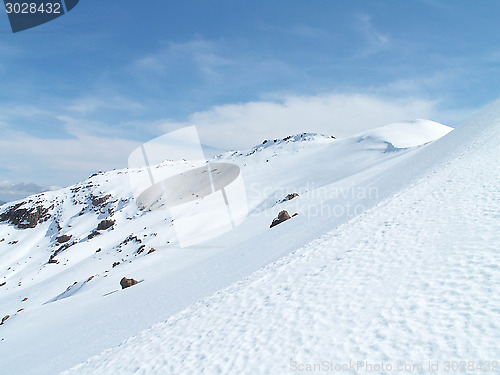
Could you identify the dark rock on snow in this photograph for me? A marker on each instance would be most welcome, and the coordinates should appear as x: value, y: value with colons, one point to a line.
x: 24, y: 218
x: 99, y: 201
x: 4, y: 319
x: 93, y: 234
x: 105, y: 224
x: 289, y: 197
x: 63, y: 239
x: 125, y: 283
x: 282, y: 216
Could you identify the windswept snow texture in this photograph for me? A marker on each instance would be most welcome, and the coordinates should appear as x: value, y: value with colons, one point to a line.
x: 53, y: 252
x: 414, y: 279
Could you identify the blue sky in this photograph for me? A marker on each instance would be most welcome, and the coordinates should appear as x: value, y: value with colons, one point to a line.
x: 78, y: 94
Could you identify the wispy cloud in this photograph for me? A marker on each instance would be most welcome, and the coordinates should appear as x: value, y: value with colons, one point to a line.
x: 420, y: 84
x: 91, y: 145
x: 203, y: 54
x: 90, y: 104
x: 13, y: 110
x: 239, y: 126
x: 10, y: 191
x: 50, y: 161
x: 375, y: 40
x: 370, y: 31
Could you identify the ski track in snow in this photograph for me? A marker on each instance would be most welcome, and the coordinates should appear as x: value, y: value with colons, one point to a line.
x: 412, y: 280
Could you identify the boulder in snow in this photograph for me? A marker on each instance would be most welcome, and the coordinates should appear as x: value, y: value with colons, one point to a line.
x: 282, y: 216
x: 125, y: 283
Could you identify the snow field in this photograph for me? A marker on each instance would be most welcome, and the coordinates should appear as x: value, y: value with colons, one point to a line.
x: 414, y: 279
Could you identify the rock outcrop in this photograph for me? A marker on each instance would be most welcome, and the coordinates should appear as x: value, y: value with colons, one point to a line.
x: 125, y: 283
x: 24, y: 218
x: 282, y: 216
x: 105, y: 224
x: 64, y: 238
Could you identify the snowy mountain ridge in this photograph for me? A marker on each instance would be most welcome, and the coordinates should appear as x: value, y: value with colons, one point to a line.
x: 81, y: 214
x: 80, y: 241
x: 410, y: 285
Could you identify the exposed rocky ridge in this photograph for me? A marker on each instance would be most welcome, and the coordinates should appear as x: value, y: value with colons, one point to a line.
x: 84, y: 222
x: 25, y: 217
x: 302, y: 137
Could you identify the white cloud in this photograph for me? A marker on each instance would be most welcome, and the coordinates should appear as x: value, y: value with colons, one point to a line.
x: 13, y: 111
x: 10, y: 191
x: 89, y: 146
x: 90, y: 104
x: 240, y: 126
x: 203, y: 54
x: 366, y: 26
x: 50, y: 161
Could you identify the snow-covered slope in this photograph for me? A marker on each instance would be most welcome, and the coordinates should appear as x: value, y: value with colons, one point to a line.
x: 413, y: 281
x: 66, y: 251
x: 409, y: 134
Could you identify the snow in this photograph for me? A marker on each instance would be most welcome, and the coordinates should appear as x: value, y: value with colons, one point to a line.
x: 415, y: 279
x: 256, y: 298
x: 410, y: 133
